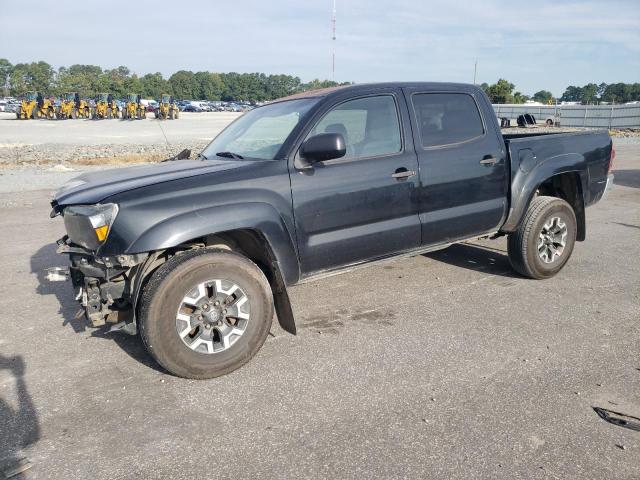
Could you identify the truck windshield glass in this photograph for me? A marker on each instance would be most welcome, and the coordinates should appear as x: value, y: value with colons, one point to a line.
x: 260, y: 133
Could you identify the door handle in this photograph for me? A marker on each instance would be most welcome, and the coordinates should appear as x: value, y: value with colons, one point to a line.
x: 488, y: 160
x: 403, y: 173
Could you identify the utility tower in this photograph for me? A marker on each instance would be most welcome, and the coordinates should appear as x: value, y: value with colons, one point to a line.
x: 333, y: 42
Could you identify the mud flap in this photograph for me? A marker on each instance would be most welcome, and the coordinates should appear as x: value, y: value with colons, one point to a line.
x: 284, y: 310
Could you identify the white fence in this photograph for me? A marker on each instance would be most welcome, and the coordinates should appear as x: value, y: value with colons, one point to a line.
x: 591, y: 116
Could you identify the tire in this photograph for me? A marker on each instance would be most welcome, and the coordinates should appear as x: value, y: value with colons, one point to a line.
x: 528, y: 251
x: 166, y: 293
x: 549, y: 122
x: 74, y: 114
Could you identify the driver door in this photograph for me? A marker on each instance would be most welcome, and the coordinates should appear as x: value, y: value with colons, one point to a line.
x: 364, y: 205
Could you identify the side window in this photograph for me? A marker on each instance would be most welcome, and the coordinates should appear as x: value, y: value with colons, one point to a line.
x: 369, y: 125
x: 446, y: 118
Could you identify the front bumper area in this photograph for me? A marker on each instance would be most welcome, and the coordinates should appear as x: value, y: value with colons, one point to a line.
x: 102, y: 285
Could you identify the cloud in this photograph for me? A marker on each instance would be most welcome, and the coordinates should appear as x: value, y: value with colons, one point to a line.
x: 543, y: 44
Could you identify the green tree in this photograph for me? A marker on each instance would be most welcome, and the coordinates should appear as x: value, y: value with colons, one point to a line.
x: 184, y: 85
x: 5, y: 75
x: 543, y: 96
x: 133, y: 84
x: 501, y: 92
x: 154, y: 85
x: 278, y: 86
x: 210, y: 86
x: 572, y: 94
x: 36, y: 76
x: 87, y: 80
x: 589, y: 94
x: 116, y: 81
x: 520, y: 97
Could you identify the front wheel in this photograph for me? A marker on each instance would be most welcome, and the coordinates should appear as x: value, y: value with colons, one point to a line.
x: 205, y: 313
x: 544, y: 241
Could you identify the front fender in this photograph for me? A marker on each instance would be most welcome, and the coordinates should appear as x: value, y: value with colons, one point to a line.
x: 260, y: 217
x: 531, y: 172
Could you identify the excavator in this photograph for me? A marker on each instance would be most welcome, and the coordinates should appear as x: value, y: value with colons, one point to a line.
x: 35, y: 106
x: 106, y: 107
x: 73, y: 107
x: 134, y: 108
x: 166, y: 108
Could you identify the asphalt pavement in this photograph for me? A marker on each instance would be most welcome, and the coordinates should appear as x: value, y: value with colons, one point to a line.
x: 446, y: 365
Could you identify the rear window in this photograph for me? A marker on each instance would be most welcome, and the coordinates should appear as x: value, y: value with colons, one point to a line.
x: 446, y: 118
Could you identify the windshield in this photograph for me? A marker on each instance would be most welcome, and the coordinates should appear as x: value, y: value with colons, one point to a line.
x: 31, y: 96
x: 102, y: 97
x: 261, y: 132
x: 165, y: 99
x: 69, y: 97
x: 132, y: 97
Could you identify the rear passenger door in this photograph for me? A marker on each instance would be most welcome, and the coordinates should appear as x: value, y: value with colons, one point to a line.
x: 462, y: 161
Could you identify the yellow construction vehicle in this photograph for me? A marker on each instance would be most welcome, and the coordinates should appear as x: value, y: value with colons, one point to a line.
x: 35, y: 106
x: 134, y: 108
x: 27, y: 106
x: 106, y: 107
x: 166, y: 108
x: 72, y: 106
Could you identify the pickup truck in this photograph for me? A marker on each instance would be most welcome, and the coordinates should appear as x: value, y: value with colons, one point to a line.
x: 197, y: 254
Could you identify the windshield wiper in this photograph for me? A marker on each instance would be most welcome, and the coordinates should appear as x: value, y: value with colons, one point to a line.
x: 201, y: 157
x: 230, y: 155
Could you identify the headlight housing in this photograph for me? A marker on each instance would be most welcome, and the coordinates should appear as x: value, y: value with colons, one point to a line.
x: 89, y: 225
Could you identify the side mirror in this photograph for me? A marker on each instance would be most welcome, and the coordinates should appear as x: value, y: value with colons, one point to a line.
x: 324, y: 146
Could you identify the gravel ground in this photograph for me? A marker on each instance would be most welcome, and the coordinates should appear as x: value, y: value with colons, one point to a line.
x: 444, y: 365
x: 105, y: 141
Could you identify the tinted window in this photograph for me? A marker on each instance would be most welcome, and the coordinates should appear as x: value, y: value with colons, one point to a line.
x: 370, y: 126
x: 445, y: 118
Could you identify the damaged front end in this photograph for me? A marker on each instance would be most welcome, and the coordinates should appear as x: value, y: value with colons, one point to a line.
x: 106, y: 287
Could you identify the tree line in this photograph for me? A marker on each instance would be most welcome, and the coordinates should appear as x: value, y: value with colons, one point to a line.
x: 591, y: 94
x: 89, y: 80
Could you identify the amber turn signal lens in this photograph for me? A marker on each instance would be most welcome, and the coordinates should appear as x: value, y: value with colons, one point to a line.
x: 101, y: 232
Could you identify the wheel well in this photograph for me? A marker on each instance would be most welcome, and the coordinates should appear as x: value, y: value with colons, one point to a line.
x: 253, y: 245
x: 568, y: 187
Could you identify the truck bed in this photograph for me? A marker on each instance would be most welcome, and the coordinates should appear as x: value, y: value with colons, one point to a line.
x: 586, y: 154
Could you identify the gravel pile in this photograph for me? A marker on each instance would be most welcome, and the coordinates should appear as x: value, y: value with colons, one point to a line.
x: 48, y: 153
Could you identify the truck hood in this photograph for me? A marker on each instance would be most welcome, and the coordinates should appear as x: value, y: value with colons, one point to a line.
x: 92, y: 187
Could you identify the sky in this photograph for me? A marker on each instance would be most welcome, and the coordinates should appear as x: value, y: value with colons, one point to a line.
x: 536, y: 44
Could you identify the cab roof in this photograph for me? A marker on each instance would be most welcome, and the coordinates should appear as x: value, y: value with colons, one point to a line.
x: 356, y: 88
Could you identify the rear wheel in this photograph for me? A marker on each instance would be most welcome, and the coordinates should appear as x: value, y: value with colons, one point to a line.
x: 205, y: 313
x: 549, y: 122
x: 544, y: 242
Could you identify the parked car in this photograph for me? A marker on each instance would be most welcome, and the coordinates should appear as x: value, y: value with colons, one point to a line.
x: 197, y: 254
x: 191, y: 108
